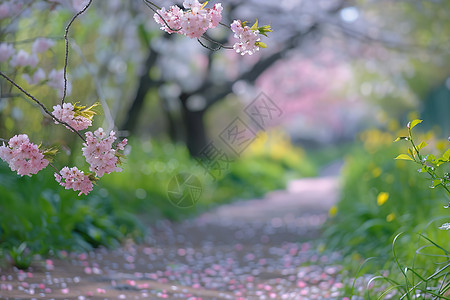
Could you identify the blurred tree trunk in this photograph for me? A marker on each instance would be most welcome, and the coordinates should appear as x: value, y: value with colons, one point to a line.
x: 172, y: 123
x: 194, y: 126
x: 145, y: 84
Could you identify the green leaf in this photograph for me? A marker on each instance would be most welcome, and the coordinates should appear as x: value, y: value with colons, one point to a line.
x: 404, y: 156
x: 410, y: 152
x: 436, y: 182
x: 421, y: 145
x: 439, y: 162
x: 405, y: 138
x: 264, y: 29
x: 431, y: 157
x: 255, y: 26
x: 446, y: 155
x: 204, y: 4
x: 261, y: 44
x: 413, y: 123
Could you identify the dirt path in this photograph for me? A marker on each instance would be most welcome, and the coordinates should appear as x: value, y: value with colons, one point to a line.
x: 257, y: 249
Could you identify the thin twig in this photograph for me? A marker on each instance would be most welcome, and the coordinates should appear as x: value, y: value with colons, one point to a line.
x: 148, y: 3
x: 151, y: 3
x: 223, y: 24
x: 219, y: 45
x: 41, y: 105
x: 209, y: 48
x: 57, y: 171
x: 66, y: 57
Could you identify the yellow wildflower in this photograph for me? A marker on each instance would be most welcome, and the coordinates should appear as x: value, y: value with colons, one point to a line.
x: 382, y: 198
x: 333, y: 211
x: 376, y: 172
x: 390, y: 217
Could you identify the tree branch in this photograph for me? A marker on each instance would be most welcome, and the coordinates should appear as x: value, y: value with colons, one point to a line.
x: 66, y: 57
x: 251, y: 75
x: 41, y: 105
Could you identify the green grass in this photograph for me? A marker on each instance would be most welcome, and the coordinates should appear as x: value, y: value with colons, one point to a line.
x: 366, y: 226
x: 39, y: 217
x: 380, y: 198
x: 425, y: 276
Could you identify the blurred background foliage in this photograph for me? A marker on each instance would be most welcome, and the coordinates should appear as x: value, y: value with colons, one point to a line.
x: 345, y: 74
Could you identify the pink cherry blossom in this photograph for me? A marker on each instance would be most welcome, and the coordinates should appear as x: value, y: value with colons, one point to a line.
x: 237, y: 28
x: 38, y: 77
x: 23, y: 156
x: 122, y: 144
x: 66, y: 114
x: 191, y: 4
x: 100, y: 153
x: 23, y: 59
x: 216, y: 15
x: 172, y: 17
x: 6, y: 51
x: 248, y: 38
x: 193, y: 22
x: 74, y: 179
x: 41, y: 45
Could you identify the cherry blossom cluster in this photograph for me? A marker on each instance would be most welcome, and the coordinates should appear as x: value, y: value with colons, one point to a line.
x: 23, y: 156
x: 248, y: 38
x: 74, y: 179
x: 193, y: 22
x: 67, y: 114
x: 100, y: 153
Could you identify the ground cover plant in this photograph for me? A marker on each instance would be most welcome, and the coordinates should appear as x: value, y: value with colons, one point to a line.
x: 426, y: 276
x: 37, y: 219
x: 414, y: 252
